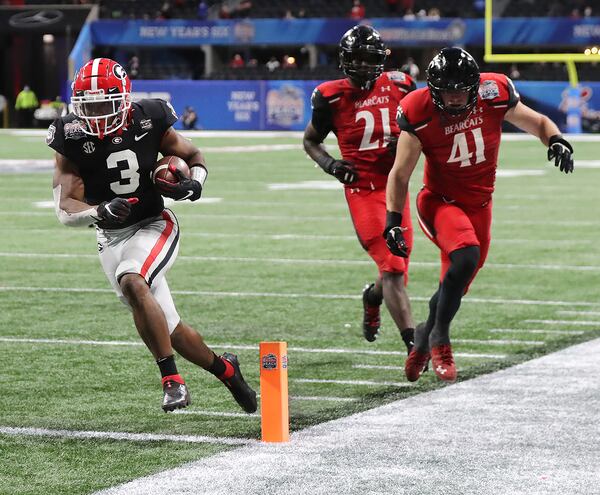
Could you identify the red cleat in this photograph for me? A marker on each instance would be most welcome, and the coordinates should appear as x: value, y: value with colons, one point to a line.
x: 443, y: 362
x: 371, y: 316
x: 415, y: 364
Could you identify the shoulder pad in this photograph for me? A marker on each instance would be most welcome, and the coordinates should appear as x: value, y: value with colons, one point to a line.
x: 412, y: 112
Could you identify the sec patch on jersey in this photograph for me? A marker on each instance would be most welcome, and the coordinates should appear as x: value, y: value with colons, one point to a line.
x: 165, y: 167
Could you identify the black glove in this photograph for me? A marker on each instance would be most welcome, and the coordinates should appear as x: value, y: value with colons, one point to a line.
x: 185, y: 188
x: 116, y: 210
x: 394, y: 238
x: 562, y: 152
x: 340, y: 169
x: 392, y: 144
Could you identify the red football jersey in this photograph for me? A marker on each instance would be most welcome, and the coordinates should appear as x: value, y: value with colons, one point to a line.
x: 363, y: 120
x: 461, y: 152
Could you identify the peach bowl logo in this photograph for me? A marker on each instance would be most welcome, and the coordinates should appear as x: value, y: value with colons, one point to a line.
x: 269, y: 362
x: 285, y: 106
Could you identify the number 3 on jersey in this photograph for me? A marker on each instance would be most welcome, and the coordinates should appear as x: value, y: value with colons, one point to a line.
x: 369, y: 118
x: 460, y: 148
x: 130, y: 177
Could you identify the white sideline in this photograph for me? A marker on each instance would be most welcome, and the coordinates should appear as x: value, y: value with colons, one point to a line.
x: 115, y: 435
x: 235, y: 347
x: 530, y: 429
x: 292, y: 295
x: 536, y: 331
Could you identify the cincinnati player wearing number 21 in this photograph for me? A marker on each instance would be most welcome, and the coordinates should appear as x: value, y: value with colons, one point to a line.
x: 360, y: 110
x: 106, y: 151
x: 456, y: 122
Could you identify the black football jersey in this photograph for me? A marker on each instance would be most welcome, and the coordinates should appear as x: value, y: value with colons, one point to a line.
x: 120, y: 164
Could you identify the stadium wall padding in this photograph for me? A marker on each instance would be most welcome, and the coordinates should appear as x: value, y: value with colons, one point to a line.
x: 285, y: 105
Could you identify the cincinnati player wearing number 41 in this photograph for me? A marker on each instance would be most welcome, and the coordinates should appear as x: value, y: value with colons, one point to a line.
x: 105, y: 153
x: 456, y: 122
x: 360, y: 111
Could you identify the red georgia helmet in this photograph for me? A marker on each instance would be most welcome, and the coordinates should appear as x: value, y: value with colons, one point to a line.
x: 101, y: 96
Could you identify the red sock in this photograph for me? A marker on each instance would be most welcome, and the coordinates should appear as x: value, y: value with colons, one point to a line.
x: 229, y: 371
x: 173, y: 378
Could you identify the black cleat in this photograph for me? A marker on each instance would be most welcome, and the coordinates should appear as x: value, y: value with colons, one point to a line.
x: 241, y: 391
x: 371, y: 316
x: 176, y: 393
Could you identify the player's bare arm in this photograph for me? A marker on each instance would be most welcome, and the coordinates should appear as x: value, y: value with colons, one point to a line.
x: 537, y: 124
x: 407, y: 156
x: 173, y: 143
x: 69, y: 203
x: 313, y: 145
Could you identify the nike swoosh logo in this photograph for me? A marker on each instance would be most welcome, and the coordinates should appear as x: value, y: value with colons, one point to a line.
x: 137, y: 138
x: 189, y: 193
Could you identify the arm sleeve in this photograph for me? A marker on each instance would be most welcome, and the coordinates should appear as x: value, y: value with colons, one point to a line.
x: 403, y: 122
x: 55, y: 138
x: 322, y: 116
x: 513, y: 94
x: 169, y: 115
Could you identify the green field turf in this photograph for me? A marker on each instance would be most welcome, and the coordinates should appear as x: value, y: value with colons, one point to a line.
x: 261, y: 264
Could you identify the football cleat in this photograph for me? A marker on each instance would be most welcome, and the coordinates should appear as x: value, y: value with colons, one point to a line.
x: 442, y: 362
x: 416, y: 364
x: 371, y: 316
x: 241, y: 391
x: 176, y: 394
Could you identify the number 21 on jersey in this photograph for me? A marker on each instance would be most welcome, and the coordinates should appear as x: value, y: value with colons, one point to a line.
x: 369, y: 118
x: 460, y: 148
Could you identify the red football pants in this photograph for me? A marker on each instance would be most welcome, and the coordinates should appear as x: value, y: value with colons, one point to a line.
x: 451, y: 226
x: 367, y: 209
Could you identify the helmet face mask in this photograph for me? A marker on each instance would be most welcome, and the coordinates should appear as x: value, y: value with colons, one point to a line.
x: 101, y: 97
x: 362, y: 55
x: 453, y: 81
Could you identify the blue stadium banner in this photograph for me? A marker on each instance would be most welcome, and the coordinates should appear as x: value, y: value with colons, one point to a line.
x: 507, y: 32
x: 285, y: 105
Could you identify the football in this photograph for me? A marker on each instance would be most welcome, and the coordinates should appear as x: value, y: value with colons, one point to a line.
x: 161, y: 169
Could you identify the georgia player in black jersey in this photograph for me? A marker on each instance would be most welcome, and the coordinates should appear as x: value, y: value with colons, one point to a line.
x: 105, y: 152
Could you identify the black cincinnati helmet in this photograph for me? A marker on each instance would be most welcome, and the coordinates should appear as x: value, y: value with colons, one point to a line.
x: 362, y: 55
x: 453, y: 69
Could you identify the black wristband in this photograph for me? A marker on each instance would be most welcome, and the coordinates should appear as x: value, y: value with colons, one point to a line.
x: 557, y: 138
x: 392, y: 219
x: 326, y: 162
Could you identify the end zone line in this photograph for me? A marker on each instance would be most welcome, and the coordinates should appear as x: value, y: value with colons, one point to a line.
x: 292, y: 295
x: 498, y: 342
x: 114, y: 435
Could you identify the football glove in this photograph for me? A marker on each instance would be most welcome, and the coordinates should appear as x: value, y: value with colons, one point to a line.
x: 340, y: 169
x: 561, y: 151
x: 392, y: 144
x: 185, y: 188
x: 116, y: 210
x: 394, y: 238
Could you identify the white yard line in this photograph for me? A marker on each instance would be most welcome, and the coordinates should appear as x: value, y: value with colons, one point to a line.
x: 377, y: 367
x: 475, y: 300
x: 114, y: 435
x: 235, y: 347
x: 566, y: 322
x: 498, y: 342
x: 219, y: 414
x: 536, y: 331
x: 579, y: 313
x: 316, y: 398
x: 311, y: 261
x: 496, y: 434
x: 368, y: 383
